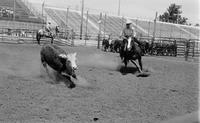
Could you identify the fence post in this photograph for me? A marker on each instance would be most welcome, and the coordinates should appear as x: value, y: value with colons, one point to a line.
x: 105, y: 25
x: 193, y: 49
x: 98, y: 45
x: 186, y: 50
x: 171, y: 32
x: 148, y: 28
x: 99, y: 35
x: 82, y: 14
x: 154, y: 32
x: 67, y: 16
x: 72, y: 36
x: 2, y: 34
x: 122, y: 22
x: 175, y: 52
x: 86, y: 28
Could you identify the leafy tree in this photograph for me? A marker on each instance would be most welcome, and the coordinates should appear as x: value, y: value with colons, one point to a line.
x: 173, y: 15
x: 196, y: 24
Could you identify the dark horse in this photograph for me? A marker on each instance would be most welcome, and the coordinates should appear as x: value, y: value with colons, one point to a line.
x: 105, y: 44
x: 131, y: 51
x: 115, y: 45
x: 43, y: 33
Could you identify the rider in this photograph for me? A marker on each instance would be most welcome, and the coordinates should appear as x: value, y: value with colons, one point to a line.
x: 48, y: 27
x: 128, y: 32
x: 57, y: 30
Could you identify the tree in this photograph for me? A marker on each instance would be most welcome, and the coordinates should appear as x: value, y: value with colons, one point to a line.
x: 173, y: 15
x: 182, y: 20
x: 196, y: 24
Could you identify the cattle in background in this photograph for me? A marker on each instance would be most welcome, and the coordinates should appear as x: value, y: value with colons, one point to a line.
x: 116, y: 45
x: 60, y: 61
x: 105, y: 44
x: 146, y: 47
x: 164, y: 48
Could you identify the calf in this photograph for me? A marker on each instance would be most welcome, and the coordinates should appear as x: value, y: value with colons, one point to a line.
x: 63, y: 63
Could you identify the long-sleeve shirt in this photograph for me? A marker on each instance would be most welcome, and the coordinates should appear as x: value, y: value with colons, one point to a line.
x: 128, y: 32
x: 48, y: 27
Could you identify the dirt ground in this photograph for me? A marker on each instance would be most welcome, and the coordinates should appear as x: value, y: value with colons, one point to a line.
x: 29, y: 95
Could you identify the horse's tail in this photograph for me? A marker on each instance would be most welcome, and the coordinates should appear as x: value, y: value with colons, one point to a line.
x: 38, y: 36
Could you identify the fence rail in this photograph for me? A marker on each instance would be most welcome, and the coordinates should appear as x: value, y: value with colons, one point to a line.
x: 161, y: 46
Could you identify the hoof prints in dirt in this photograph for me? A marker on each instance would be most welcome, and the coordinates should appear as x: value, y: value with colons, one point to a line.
x: 133, y: 70
x: 55, y: 78
x: 143, y: 74
x: 127, y: 70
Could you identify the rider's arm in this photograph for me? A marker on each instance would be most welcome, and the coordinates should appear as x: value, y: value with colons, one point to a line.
x: 123, y: 34
x: 134, y: 32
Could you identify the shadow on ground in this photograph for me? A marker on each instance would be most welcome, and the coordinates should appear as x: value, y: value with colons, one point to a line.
x: 127, y: 70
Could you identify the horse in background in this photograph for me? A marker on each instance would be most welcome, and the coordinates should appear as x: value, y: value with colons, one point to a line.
x: 105, y: 44
x: 43, y: 33
x: 115, y: 45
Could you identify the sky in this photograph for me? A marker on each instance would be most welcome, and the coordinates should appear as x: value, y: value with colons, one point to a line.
x: 144, y: 9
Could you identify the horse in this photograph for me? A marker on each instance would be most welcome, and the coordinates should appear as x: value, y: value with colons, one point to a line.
x: 130, y: 51
x: 105, y: 44
x: 43, y: 33
x: 115, y: 45
x: 60, y: 61
x: 146, y: 47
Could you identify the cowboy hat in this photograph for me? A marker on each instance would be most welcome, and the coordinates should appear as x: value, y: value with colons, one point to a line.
x: 128, y: 21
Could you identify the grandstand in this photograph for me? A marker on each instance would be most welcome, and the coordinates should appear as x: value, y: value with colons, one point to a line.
x: 72, y: 21
x: 5, y: 24
x: 21, y: 12
x: 111, y: 24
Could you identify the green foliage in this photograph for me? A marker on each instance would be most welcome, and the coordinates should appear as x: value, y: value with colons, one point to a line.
x: 173, y: 15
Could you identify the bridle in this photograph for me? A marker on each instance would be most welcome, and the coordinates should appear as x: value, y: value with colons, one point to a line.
x: 128, y: 44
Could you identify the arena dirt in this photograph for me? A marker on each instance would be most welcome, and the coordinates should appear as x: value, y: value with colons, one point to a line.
x: 28, y: 94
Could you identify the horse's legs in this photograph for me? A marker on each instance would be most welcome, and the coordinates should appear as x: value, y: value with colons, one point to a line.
x: 44, y: 65
x: 71, y: 84
x: 140, y: 62
x: 138, y: 67
x: 125, y: 62
x: 51, y: 40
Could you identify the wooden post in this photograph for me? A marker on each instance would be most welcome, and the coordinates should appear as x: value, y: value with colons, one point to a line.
x: 148, y: 28
x: 99, y: 35
x: 122, y: 22
x: 193, y: 50
x: 160, y: 29
x: 72, y: 36
x: 175, y: 52
x: 67, y: 16
x: 171, y: 31
x: 81, y: 26
x: 186, y: 49
x: 105, y: 25
x: 86, y: 29
x: 14, y: 8
x: 154, y: 32
x: 2, y: 34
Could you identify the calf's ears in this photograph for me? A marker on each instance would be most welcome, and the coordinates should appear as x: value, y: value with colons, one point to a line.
x: 75, y: 54
x: 62, y: 56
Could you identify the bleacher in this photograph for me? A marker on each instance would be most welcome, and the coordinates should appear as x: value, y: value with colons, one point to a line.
x: 163, y: 29
x: 190, y: 29
x: 73, y: 21
x: 22, y: 13
x: 114, y: 24
x: 5, y: 24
